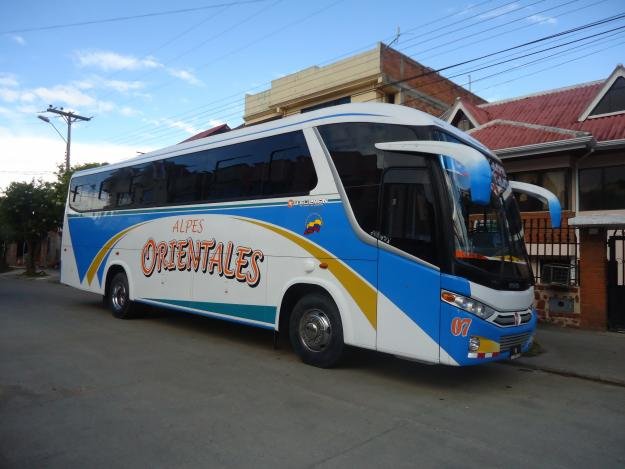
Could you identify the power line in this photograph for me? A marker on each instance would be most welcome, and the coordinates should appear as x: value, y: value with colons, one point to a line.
x: 251, y: 43
x: 492, y: 28
x: 544, y: 38
x: 430, y: 71
x: 555, y: 65
x: 126, y: 18
x: 498, y: 35
x: 202, y: 43
x: 237, y: 95
x: 557, y: 35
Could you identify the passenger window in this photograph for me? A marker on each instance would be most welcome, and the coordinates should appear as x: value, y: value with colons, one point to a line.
x: 291, y: 170
x: 184, y: 178
x: 408, y: 217
x: 239, y: 177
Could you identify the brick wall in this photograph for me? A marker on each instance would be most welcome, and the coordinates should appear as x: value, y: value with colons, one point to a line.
x: 397, y: 66
x: 593, y: 280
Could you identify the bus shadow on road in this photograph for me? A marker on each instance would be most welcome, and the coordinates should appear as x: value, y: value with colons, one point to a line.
x: 356, y: 361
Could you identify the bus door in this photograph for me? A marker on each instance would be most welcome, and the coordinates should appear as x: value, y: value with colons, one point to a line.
x: 408, y: 279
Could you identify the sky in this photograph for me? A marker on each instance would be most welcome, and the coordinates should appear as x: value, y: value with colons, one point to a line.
x: 152, y: 73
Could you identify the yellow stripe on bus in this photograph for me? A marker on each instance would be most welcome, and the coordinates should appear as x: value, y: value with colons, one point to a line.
x: 97, y: 260
x: 363, y: 294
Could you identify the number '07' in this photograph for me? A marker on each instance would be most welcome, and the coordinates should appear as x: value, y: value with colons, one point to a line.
x: 460, y: 326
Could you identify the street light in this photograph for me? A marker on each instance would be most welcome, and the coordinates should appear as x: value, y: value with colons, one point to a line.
x: 47, y: 119
x: 70, y: 118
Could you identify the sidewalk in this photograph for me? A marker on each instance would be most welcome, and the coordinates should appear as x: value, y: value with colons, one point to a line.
x: 53, y: 275
x: 587, y: 354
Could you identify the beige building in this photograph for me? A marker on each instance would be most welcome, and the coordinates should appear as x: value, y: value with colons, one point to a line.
x: 381, y: 74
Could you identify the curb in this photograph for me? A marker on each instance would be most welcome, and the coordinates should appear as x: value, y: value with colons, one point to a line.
x: 567, y: 373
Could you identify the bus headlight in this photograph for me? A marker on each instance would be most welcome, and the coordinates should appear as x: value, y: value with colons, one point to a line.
x: 467, y: 304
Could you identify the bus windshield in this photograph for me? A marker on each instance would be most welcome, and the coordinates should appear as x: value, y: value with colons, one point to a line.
x: 488, y: 239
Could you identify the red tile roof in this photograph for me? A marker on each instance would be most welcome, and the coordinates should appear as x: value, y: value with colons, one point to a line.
x: 552, y: 115
x: 500, y: 135
x: 480, y: 114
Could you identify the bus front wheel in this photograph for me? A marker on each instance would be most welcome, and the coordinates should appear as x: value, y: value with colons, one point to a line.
x: 316, y: 331
x: 118, y: 297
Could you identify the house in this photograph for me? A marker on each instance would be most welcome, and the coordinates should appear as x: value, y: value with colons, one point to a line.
x: 571, y: 141
x: 381, y: 74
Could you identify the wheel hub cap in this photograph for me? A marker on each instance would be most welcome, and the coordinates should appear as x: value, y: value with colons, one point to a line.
x: 119, y: 297
x: 315, y: 330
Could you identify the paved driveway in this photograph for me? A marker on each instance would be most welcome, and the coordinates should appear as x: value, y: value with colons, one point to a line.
x: 81, y: 389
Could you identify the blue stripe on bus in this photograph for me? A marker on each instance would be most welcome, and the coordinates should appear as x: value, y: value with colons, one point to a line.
x: 89, y: 234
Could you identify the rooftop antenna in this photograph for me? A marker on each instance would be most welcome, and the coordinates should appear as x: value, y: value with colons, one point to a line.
x: 396, y: 39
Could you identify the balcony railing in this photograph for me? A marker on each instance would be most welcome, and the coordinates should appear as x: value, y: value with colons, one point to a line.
x: 553, y: 252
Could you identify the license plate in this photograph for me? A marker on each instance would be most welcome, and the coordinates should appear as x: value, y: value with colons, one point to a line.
x: 515, y: 352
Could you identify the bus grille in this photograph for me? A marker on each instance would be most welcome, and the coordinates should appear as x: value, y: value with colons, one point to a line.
x: 508, y: 341
x: 509, y: 319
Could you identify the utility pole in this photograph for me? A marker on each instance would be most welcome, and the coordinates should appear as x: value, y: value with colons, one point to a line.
x: 70, y: 118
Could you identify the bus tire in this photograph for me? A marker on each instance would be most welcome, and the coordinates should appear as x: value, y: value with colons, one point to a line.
x: 315, y: 330
x: 118, y: 297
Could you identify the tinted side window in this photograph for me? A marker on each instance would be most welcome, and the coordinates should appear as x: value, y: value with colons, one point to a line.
x: 186, y: 175
x: 408, y: 212
x: 291, y: 170
x: 359, y: 163
x: 273, y: 166
x: 239, y: 176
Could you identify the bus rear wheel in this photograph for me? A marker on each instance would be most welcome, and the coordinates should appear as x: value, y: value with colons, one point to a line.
x: 315, y: 331
x: 118, y: 297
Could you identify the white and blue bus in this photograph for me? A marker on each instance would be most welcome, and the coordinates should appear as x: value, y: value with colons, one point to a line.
x: 371, y: 225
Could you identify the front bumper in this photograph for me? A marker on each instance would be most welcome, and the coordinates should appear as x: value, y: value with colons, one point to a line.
x: 495, y: 342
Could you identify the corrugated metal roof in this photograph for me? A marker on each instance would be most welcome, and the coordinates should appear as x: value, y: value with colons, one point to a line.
x: 500, y: 136
x: 560, y: 109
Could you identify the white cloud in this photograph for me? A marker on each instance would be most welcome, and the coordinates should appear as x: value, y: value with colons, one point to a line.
x: 128, y: 111
x: 500, y: 11
x: 123, y: 86
x: 542, y: 19
x: 110, y: 61
x: 29, y: 109
x: 174, y: 124
x: 8, y: 80
x: 64, y: 94
x: 185, y: 75
x: 84, y: 84
x: 72, y: 96
x: 185, y: 126
x: 25, y: 157
x: 17, y: 39
x: 9, y: 95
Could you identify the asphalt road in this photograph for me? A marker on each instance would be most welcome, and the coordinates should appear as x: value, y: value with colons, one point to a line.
x: 79, y: 388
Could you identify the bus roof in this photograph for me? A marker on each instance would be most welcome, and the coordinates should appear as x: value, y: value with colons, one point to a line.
x: 354, y: 112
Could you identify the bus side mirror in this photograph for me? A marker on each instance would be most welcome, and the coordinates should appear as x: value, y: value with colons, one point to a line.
x: 555, y: 210
x: 476, y: 164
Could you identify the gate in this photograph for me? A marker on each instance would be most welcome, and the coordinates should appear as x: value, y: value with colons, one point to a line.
x: 616, y: 280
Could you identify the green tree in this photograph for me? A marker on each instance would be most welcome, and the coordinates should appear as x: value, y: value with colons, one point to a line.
x: 7, y: 235
x: 30, y: 210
